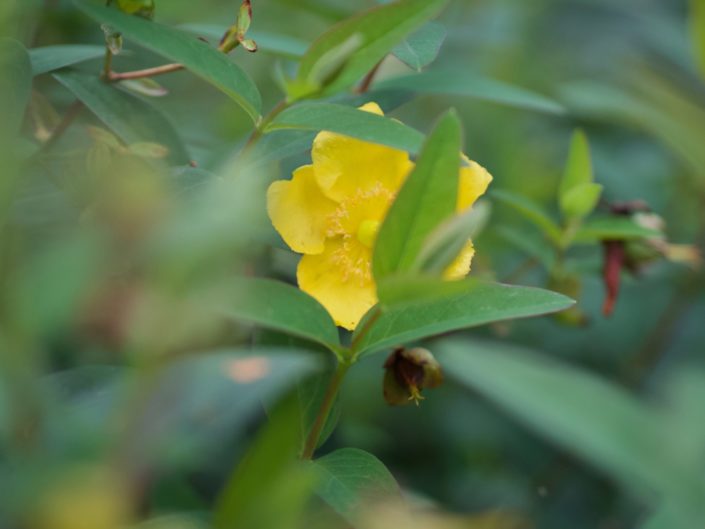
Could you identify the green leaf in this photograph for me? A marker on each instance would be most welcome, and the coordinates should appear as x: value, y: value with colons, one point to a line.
x: 282, y: 307
x: 274, y: 43
x: 15, y: 86
x: 349, y: 121
x: 268, y: 475
x: 594, y: 419
x: 350, y: 49
x: 470, y: 303
x: 530, y: 211
x: 577, y: 194
x: 422, y: 47
x: 427, y: 198
x: 198, y: 57
x: 50, y: 58
x: 445, y: 243
x: 613, y: 228
x: 468, y: 84
x: 697, y: 28
x: 351, y: 479
x: 581, y: 200
x: 131, y: 118
x: 578, y: 168
x: 220, y: 391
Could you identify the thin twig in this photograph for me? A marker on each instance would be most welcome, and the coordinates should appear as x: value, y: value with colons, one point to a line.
x: 71, y: 114
x: 147, y: 72
x: 367, y: 81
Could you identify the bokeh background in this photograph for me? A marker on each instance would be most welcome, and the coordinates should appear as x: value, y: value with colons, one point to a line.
x: 626, y: 72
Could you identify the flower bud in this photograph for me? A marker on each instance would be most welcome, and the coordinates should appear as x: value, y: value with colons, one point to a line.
x: 408, y: 372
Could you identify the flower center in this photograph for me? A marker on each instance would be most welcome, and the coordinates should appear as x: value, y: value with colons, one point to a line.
x: 367, y: 232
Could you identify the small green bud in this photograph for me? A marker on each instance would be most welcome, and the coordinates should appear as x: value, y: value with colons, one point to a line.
x: 249, y: 44
x: 244, y: 19
x: 408, y: 372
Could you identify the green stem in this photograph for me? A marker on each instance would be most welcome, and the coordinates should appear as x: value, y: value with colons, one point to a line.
x: 324, y: 411
x: 107, y: 64
x: 259, y: 128
x: 363, y: 332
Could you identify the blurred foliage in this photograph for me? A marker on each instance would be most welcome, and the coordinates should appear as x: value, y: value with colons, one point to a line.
x: 147, y: 380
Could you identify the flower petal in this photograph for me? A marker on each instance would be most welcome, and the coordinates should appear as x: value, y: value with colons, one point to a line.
x: 345, y: 165
x: 299, y: 211
x: 340, y: 279
x: 474, y: 180
x: 460, y: 267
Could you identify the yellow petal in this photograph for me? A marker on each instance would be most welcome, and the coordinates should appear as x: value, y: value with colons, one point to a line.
x: 299, y: 211
x: 345, y: 165
x: 460, y: 267
x: 474, y: 180
x: 340, y: 279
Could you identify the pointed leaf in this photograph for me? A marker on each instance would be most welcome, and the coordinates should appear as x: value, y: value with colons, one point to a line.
x: 577, y: 194
x: 131, y: 118
x: 444, y: 244
x: 427, y: 198
x: 530, y: 211
x: 350, y: 479
x: 282, y: 307
x: 474, y: 85
x: 50, y: 58
x: 378, y: 30
x: 469, y: 304
x: 198, y: 57
x: 596, y: 420
x: 349, y: 121
x: 422, y: 47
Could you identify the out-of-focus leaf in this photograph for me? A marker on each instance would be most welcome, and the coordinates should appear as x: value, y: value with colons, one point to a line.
x: 78, y: 262
x: 282, y: 307
x: 613, y: 228
x: 578, y: 194
x: 580, y: 200
x: 697, y: 27
x: 351, y: 479
x: 15, y: 86
x: 531, y: 211
x: 131, y: 118
x: 422, y: 47
x: 201, y: 401
x: 198, y: 57
x: 274, y: 43
x: 268, y: 476
x: 427, y: 198
x: 346, y: 52
x: 50, y: 58
x: 349, y: 121
x: 582, y: 413
x: 475, y: 85
x: 478, y: 303
x: 443, y: 245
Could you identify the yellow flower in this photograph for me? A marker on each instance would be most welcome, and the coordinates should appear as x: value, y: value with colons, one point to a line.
x: 331, y: 210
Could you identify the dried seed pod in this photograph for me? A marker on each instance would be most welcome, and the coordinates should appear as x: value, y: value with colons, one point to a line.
x: 408, y: 372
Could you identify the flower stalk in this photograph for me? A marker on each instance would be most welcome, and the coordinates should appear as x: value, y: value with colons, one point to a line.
x: 319, y: 423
